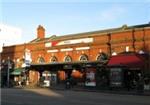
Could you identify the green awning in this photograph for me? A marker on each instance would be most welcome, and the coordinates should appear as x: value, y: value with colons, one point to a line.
x: 17, y: 71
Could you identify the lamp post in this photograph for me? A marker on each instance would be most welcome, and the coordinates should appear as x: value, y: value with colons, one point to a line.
x: 8, y: 70
x: 0, y: 73
x: 28, y: 60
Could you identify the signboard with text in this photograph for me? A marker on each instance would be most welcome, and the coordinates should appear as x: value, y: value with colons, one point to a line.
x: 28, y: 58
x: 67, y: 42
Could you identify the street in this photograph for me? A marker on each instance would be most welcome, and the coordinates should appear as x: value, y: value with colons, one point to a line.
x: 67, y: 97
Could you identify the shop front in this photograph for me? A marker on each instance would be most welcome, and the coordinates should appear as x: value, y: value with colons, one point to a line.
x: 19, y: 77
x: 80, y: 74
x: 126, y: 70
x: 48, y: 79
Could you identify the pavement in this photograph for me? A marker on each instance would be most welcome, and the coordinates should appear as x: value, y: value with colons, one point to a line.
x: 113, y: 91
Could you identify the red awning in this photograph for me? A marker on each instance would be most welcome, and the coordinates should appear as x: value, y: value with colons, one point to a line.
x: 131, y: 61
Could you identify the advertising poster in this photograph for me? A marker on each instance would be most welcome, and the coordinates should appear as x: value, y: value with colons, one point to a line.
x: 90, y: 77
x: 28, y: 58
x: 116, y: 77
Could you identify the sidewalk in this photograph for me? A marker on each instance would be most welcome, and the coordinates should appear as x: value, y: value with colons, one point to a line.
x: 125, y: 92
x: 114, y: 91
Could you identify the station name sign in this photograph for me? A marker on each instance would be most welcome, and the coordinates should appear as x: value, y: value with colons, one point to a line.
x: 68, y: 42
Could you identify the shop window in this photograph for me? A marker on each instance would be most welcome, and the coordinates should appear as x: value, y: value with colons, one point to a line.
x: 68, y: 58
x: 84, y: 57
x: 101, y: 57
x: 53, y: 59
x: 41, y: 60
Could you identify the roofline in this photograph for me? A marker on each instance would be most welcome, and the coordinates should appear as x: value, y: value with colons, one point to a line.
x: 111, y: 29
x: 89, y: 33
x: 105, y: 31
x: 20, y: 44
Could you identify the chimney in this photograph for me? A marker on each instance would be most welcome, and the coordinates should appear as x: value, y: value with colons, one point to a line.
x: 40, y: 32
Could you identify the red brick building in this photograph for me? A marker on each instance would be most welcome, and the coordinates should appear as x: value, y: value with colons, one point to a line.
x: 74, y: 49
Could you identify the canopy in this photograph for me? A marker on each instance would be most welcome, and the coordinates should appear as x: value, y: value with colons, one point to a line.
x: 131, y: 61
x: 66, y: 65
x: 17, y: 71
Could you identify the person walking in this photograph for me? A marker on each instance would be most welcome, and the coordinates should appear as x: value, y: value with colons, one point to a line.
x: 68, y: 83
x: 128, y: 81
x: 140, y: 84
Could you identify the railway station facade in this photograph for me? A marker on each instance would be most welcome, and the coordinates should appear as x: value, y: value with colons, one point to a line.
x: 77, y: 55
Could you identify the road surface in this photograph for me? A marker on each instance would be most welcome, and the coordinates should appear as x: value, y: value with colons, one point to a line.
x: 67, y: 97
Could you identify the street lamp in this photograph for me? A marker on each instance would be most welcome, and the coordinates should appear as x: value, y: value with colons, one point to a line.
x: 8, y: 70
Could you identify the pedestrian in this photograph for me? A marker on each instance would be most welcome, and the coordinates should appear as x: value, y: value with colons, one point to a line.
x: 72, y: 82
x: 68, y: 84
x: 140, y: 84
x: 19, y: 83
x: 128, y: 81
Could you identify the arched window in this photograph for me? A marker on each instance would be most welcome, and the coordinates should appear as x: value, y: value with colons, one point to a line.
x: 83, y: 57
x: 101, y: 57
x: 53, y: 59
x: 41, y: 60
x: 68, y: 58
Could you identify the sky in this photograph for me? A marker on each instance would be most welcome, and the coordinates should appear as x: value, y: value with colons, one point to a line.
x: 19, y: 19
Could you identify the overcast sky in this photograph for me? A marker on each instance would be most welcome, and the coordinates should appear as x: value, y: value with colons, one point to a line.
x: 20, y: 18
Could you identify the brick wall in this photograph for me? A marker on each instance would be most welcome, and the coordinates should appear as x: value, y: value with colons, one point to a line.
x: 136, y: 40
